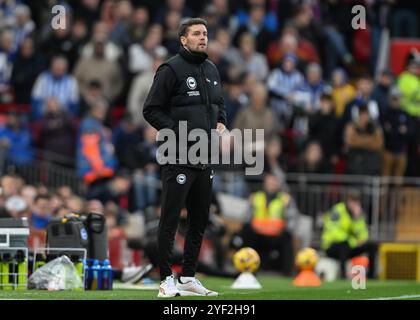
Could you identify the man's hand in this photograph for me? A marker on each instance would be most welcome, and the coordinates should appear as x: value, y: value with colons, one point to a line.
x: 220, y: 128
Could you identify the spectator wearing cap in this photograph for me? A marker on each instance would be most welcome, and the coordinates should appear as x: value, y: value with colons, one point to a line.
x: 363, y: 142
x: 342, y: 91
x: 409, y: 84
x: 99, y: 69
x: 15, y: 141
x: 140, y: 88
x: 381, y: 90
x: 58, y: 83
x: 26, y: 68
x: 397, y: 128
x: 281, y: 83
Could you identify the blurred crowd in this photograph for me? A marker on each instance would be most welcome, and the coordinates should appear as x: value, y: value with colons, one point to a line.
x: 298, y: 69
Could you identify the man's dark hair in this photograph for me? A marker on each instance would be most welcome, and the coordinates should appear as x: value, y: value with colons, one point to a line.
x: 42, y: 197
x: 363, y: 108
x: 183, y: 28
x: 365, y: 76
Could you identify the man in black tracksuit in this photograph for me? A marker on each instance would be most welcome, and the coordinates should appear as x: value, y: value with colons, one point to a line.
x: 185, y: 88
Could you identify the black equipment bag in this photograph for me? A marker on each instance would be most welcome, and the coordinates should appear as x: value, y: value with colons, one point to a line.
x: 67, y: 232
x: 87, y: 231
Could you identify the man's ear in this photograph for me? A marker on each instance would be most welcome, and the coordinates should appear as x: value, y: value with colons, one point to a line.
x: 183, y: 40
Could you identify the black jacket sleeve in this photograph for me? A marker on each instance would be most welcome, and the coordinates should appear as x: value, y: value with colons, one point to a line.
x: 221, y: 117
x: 222, y: 111
x: 156, y: 106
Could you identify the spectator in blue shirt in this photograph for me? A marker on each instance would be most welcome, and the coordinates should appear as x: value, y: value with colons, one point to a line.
x: 16, y: 140
x: 55, y: 82
x: 42, y: 212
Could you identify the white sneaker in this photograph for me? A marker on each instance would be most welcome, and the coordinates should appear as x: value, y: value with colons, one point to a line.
x: 168, y: 288
x: 194, y: 288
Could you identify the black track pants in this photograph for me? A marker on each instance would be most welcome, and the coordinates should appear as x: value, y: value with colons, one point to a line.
x: 190, y: 188
x: 342, y: 252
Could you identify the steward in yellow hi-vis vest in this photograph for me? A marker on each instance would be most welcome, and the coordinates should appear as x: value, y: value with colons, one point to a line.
x: 409, y: 84
x: 268, y: 217
x: 345, y: 233
x: 272, y: 221
x: 339, y: 226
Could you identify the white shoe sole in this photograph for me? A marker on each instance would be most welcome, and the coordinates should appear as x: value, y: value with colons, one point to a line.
x: 195, y: 294
x: 161, y: 295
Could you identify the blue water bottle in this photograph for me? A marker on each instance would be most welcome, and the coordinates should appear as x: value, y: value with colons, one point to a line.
x: 106, y: 275
x: 88, y: 274
x: 96, y: 276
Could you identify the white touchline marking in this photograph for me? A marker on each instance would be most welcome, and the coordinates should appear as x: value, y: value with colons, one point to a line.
x: 397, y: 298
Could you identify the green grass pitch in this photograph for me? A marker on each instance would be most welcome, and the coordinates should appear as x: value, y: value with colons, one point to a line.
x: 274, y: 288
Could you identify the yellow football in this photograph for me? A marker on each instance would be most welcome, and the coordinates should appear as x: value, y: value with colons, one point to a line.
x: 306, y: 258
x: 246, y: 260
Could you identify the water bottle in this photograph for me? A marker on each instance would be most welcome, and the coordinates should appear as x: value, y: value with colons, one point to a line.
x: 39, y: 261
x: 96, y: 276
x: 5, y: 266
x: 22, y: 269
x: 88, y: 274
x: 106, y: 275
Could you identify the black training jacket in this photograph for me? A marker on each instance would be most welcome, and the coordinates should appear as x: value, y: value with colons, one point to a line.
x: 186, y: 88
